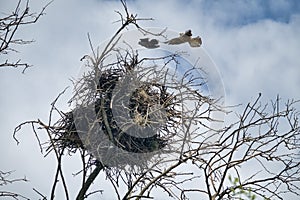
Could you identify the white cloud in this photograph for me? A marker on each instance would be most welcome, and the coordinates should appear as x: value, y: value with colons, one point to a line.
x: 261, y: 56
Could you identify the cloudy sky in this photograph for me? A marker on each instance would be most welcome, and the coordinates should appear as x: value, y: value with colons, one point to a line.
x: 254, y: 44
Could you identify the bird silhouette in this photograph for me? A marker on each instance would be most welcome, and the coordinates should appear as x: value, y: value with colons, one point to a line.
x: 186, y: 37
x: 149, y: 44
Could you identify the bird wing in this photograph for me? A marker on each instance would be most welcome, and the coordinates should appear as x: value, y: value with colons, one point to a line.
x: 154, y: 41
x: 195, y: 42
x: 148, y: 44
x: 144, y: 39
x: 179, y: 40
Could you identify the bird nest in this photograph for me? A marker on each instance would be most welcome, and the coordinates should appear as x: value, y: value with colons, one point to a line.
x: 132, y: 109
x: 120, y: 117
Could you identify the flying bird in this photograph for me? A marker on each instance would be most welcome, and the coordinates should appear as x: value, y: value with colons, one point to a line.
x: 186, y: 37
x: 149, y: 44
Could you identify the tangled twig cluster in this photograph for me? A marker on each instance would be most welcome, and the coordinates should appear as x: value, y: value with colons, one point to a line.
x: 132, y: 114
x: 150, y: 108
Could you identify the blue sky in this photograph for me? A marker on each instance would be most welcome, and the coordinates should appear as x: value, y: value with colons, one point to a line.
x: 254, y: 44
x: 239, y: 13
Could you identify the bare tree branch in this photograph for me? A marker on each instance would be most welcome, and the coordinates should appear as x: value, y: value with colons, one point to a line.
x: 263, y: 141
x: 9, y: 26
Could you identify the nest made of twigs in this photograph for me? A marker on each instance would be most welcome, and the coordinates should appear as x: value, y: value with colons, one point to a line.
x: 141, y: 102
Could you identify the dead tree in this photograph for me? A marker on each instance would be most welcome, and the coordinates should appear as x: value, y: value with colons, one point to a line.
x: 10, y: 25
x: 5, y: 180
x: 141, y: 120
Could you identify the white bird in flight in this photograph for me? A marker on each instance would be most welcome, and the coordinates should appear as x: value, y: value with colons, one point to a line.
x: 186, y: 37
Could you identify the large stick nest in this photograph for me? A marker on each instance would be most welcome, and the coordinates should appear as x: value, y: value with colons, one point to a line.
x: 137, y: 116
